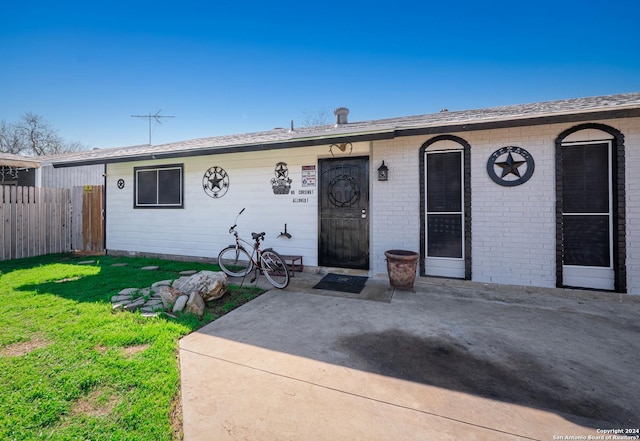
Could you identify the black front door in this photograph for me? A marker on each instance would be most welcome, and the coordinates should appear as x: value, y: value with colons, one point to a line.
x: 344, y: 213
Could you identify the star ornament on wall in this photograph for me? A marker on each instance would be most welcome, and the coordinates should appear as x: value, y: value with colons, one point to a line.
x: 510, y: 166
x: 215, y: 182
x: 281, y: 170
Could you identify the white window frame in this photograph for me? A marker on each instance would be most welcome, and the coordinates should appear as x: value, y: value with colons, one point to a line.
x: 157, y: 169
x: 598, y: 277
x: 445, y: 266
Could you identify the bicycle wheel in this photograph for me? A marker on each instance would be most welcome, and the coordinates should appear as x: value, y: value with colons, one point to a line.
x: 275, y: 269
x: 235, y: 262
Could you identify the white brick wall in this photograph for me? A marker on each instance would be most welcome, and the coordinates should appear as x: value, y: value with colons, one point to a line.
x: 631, y: 130
x: 395, y: 204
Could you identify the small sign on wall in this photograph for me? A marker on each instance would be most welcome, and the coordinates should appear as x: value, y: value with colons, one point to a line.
x: 308, y: 175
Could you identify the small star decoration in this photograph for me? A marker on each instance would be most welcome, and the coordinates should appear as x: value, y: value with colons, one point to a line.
x: 510, y: 166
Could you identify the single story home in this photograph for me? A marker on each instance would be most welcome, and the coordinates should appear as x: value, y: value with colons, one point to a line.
x: 541, y: 194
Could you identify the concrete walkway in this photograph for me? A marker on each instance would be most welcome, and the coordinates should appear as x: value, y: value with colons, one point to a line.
x: 452, y: 360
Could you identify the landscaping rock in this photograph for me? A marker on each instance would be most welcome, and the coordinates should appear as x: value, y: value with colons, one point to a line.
x: 152, y: 308
x: 195, y: 305
x: 154, y: 302
x: 179, y: 283
x: 150, y: 268
x: 180, y: 303
x: 187, y: 293
x: 119, y: 264
x: 209, y: 284
x: 161, y: 283
x: 187, y: 272
x: 128, y: 291
x: 168, y: 296
x: 135, y: 304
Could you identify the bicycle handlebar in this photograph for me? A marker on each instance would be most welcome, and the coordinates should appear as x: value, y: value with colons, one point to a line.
x: 236, y: 222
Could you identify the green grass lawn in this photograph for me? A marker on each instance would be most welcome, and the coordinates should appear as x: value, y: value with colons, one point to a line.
x: 71, y: 369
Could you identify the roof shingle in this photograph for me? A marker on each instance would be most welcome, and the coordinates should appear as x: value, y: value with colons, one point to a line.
x: 376, y: 129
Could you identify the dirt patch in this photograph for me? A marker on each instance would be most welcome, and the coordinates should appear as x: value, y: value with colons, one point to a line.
x: 130, y: 351
x: 517, y: 378
x: 98, y: 403
x: 68, y: 279
x: 176, y: 417
x: 24, y: 347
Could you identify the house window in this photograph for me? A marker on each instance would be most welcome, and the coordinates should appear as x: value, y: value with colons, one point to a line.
x: 159, y: 186
x: 445, y: 205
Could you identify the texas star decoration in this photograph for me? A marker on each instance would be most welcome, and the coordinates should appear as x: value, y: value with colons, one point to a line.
x: 513, y: 169
x: 215, y: 182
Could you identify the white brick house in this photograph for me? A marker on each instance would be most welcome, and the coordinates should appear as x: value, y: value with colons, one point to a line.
x: 541, y: 194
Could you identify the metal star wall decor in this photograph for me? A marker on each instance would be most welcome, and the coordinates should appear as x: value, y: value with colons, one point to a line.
x: 510, y: 166
x: 215, y: 182
x: 281, y: 184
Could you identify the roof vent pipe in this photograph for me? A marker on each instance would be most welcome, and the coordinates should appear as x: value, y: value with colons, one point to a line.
x: 341, y: 114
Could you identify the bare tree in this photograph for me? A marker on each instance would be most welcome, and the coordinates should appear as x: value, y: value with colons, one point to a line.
x: 317, y: 118
x: 9, y: 139
x: 32, y: 135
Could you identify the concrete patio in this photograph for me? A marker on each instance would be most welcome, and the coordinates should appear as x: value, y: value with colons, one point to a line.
x: 452, y: 360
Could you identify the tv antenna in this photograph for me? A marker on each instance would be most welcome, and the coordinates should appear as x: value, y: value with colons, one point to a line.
x: 156, y: 116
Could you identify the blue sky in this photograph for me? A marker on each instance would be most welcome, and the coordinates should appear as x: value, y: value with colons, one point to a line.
x: 236, y: 67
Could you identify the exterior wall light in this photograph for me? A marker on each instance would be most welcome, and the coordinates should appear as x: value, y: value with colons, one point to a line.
x: 383, y: 172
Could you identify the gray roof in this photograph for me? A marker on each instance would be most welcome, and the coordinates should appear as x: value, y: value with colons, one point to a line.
x: 9, y: 159
x: 569, y: 110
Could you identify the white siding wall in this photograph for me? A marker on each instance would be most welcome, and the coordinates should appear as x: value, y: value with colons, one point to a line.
x: 201, y: 228
x: 513, y: 228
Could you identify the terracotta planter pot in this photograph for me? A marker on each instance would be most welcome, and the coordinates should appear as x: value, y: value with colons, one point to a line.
x: 401, y: 265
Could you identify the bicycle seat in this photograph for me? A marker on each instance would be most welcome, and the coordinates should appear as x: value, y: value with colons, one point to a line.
x: 257, y: 236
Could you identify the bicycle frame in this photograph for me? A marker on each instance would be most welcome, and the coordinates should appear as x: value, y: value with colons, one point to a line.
x: 266, y: 261
x: 256, y: 252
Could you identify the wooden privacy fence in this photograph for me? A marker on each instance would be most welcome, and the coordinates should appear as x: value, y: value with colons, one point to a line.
x: 37, y: 221
x: 87, y: 220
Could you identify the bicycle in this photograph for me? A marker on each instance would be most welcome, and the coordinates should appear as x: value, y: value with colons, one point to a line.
x: 236, y: 261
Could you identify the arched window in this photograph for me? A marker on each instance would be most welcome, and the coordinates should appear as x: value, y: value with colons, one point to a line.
x: 445, y: 208
x: 590, y: 248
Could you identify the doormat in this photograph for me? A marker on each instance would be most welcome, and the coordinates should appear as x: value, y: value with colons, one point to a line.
x: 342, y: 283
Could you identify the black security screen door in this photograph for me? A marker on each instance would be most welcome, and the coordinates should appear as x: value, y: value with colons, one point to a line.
x: 586, y: 206
x: 344, y: 213
x: 444, y: 204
